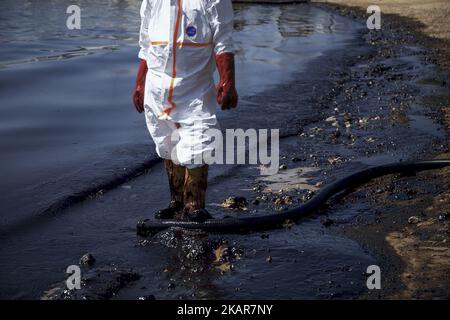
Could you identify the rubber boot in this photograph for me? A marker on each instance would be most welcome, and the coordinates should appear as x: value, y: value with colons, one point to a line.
x: 195, y: 183
x: 176, y: 174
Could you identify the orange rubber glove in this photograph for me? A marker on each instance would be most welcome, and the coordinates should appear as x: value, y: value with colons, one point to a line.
x: 139, y: 90
x: 226, y: 94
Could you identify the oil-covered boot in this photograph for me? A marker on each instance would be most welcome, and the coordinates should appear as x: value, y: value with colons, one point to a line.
x: 195, y: 183
x: 176, y: 174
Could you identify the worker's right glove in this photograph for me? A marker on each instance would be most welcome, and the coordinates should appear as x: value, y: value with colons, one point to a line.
x: 226, y: 94
x: 139, y: 90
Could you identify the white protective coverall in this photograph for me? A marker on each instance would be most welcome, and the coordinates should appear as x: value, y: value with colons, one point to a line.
x: 179, y: 39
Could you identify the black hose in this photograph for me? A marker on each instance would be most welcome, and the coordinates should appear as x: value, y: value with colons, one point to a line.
x: 272, y: 221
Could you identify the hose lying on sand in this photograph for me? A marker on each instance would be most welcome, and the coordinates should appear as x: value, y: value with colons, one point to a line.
x: 272, y: 221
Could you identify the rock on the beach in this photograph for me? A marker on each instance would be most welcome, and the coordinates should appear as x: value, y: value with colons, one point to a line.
x: 87, y: 260
x: 331, y: 119
x: 235, y: 203
x: 335, y: 160
x: 413, y: 220
x: 282, y: 200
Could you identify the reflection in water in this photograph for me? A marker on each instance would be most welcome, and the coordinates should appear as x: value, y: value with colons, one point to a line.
x: 39, y: 27
x: 292, y: 25
x: 25, y: 20
x: 190, y: 266
x: 36, y: 28
x: 279, y: 41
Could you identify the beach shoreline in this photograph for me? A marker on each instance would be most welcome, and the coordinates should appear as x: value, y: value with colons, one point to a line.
x: 422, y: 23
x: 410, y: 235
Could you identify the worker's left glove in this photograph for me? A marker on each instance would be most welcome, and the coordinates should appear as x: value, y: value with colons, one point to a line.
x: 226, y: 93
x: 139, y: 90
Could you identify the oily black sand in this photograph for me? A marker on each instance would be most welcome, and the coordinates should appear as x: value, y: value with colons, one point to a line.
x: 410, y: 229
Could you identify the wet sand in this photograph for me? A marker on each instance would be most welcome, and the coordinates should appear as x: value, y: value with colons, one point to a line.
x: 410, y: 230
x: 422, y: 21
x: 432, y: 14
x: 410, y: 233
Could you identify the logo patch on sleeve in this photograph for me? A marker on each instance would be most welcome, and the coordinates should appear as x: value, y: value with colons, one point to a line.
x: 191, y: 31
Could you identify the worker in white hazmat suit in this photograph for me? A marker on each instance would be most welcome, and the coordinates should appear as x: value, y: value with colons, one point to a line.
x: 182, y: 42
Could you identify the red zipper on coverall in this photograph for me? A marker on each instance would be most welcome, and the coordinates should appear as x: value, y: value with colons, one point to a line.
x: 174, y: 61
